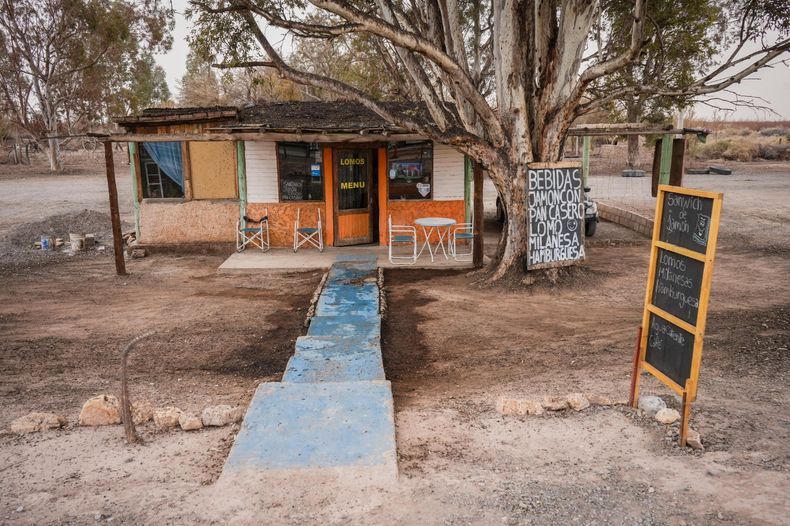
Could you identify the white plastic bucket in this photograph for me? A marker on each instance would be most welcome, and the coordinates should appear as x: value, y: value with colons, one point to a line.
x: 77, y: 242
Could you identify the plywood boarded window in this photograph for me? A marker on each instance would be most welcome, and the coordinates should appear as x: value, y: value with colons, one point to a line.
x: 213, y: 170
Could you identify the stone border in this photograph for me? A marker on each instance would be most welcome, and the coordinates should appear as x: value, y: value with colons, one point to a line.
x: 626, y: 218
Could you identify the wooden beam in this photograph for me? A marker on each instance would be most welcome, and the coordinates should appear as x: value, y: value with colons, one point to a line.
x: 264, y: 136
x: 117, y: 238
x: 678, y: 160
x: 666, y: 159
x: 586, y: 159
x: 477, y: 248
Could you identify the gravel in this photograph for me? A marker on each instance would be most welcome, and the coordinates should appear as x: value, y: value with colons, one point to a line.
x: 17, y: 250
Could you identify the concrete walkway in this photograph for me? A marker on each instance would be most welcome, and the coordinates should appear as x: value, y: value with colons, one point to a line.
x: 333, y: 409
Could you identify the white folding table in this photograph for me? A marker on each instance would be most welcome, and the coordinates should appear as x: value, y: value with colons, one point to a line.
x: 440, y: 225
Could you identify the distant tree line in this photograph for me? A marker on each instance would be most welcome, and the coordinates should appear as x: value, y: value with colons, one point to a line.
x: 66, y: 66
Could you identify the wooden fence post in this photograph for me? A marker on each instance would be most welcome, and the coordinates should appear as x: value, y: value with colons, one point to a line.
x: 117, y: 239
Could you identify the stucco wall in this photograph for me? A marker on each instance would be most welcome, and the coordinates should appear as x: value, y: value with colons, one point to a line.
x: 406, y: 212
x: 170, y: 223
x: 282, y: 217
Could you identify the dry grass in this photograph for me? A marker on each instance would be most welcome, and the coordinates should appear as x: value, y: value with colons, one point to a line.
x: 743, y: 141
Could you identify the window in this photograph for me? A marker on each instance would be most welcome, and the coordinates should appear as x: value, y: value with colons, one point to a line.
x: 410, y: 170
x: 161, y: 170
x: 301, y: 171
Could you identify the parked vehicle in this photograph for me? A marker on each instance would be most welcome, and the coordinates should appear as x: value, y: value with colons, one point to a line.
x: 590, y: 214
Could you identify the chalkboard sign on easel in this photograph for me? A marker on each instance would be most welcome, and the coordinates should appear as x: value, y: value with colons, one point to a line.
x: 678, y: 287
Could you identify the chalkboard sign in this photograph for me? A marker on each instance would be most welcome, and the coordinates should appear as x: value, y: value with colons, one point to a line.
x: 670, y: 349
x: 556, y: 214
x: 677, y: 285
x: 685, y: 231
x: 685, y: 220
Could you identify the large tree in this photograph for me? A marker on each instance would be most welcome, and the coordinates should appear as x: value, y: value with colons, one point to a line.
x: 501, y: 80
x: 62, y: 60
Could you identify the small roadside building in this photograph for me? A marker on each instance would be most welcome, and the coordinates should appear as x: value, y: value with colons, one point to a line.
x: 196, y: 171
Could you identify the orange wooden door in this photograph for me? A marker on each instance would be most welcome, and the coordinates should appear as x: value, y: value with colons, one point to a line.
x: 353, y: 196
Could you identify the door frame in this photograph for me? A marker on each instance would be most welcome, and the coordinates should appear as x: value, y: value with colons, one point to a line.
x: 372, y: 210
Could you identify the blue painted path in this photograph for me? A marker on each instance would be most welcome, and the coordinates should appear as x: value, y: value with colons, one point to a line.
x: 333, y: 407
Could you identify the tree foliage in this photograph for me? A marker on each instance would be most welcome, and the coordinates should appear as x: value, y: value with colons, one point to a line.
x: 500, y: 80
x: 65, y: 63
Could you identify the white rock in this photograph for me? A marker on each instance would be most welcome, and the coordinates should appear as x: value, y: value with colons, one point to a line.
x: 142, y: 411
x: 530, y: 407
x: 694, y: 440
x: 578, y: 401
x: 166, y: 418
x: 651, y: 405
x: 504, y: 406
x: 555, y: 403
x: 596, y: 399
x: 189, y: 422
x: 667, y: 416
x: 221, y: 415
x: 102, y: 410
x: 34, y: 422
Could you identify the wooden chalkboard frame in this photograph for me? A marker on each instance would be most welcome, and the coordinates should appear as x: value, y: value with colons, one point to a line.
x: 689, y: 390
x: 558, y: 164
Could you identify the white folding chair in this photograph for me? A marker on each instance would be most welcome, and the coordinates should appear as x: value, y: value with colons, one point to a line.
x: 257, y: 236
x: 464, y: 232
x: 308, y: 235
x: 402, y: 234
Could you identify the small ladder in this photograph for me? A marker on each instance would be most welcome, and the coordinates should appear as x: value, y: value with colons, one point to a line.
x: 153, y: 179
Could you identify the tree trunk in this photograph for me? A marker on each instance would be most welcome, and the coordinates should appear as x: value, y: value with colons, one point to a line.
x: 53, y: 154
x: 633, y: 114
x: 511, y: 255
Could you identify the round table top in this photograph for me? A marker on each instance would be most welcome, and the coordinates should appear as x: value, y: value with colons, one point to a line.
x: 435, y: 221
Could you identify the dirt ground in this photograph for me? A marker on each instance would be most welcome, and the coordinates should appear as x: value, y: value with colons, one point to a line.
x: 450, y: 349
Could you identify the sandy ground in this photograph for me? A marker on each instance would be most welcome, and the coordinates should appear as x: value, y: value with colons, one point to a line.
x: 450, y: 349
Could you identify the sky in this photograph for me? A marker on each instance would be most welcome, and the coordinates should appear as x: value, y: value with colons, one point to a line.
x: 772, y: 84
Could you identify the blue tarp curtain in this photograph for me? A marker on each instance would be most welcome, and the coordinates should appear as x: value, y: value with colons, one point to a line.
x: 168, y: 156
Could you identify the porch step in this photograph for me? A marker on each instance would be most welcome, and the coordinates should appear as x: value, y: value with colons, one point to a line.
x: 322, y: 425
x: 330, y: 346
x: 349, y: 300
x: 367, y: 327
x: 310, y: 367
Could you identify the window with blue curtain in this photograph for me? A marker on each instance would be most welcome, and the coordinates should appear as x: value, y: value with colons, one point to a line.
x: 162, y: 170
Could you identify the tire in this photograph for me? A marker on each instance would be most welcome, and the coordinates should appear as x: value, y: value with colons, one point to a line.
x: 589, y: 226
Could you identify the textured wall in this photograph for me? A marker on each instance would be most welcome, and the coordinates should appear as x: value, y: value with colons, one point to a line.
x: 261, y: 167
x: 406, y: 212
x: 448, y: 173
x: 282, y: 217
x: 213, y: 168
x: 191, y: 221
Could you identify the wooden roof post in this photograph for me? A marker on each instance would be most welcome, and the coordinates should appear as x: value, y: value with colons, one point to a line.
x: 477, y: 207
x: 666, y: 159
x: 585, y: 160
x: 120, y: 264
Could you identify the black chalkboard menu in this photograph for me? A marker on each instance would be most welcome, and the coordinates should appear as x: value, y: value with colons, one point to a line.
x: 678, y: 285
x: 670, y: 349
x: 685, y: 221
x: 556, y: 214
